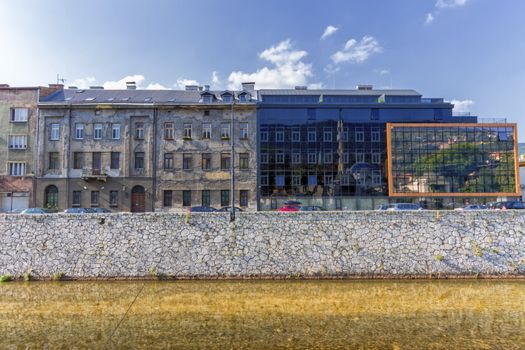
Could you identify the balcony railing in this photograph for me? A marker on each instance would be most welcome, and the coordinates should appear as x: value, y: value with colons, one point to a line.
x: 93, y: 173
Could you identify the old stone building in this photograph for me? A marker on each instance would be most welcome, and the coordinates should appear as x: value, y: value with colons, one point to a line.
x: 146, y: 150
x: 18, y: 119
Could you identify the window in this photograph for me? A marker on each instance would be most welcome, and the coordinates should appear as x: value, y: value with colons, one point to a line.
x: 296, y: 158
x: 345, y: 180
x: 328, y: 157
x: 312, y: 180
x: 242, y: 98
x: 139, y: 131
x: 311, y: 135
x: 51, y: 196
x: 186, y: 198
x: 206, y: 198
x: 19, y: 115
x: 77, y: 199
x: 279, y: 135
x: 327, y: 135
x: 225, y: 198
x: 94, y: 198
x: 53, y: 161
x: 243, y: 198
x: 264, y: 158
x: 264, y: 180
x: 206, y: 161
x: 207, y: 99
x: 18, y: 141
x: 296, y: 180
x: 359, y: 135
x: 115, y: 160
x: 168, y: 131
x: 54, y: 135
x: 312, y: 158
x: 374, y: 114
x: 328, y: 180
x: 97, y: 131
x: 225, y: 161
x: 79, y: 131
x: 296, y: 135
x: 115, y: 131
x: 244, y: 161
x: 345, y: 134
x: 279, y: 158
x: 376, y: 157
x: 186, y: 161
x: 139, y: 160
x: 113, y: 198
x: 168, y: 161
x: 206, y: 113
x: 78, y: 160
x: 359, y: 157
x: 206, y: 131
x: 167, y: 200
x: 376, y: 178
x: 279, y: 180
x: 17, y: 168
x: 264, y: 135
x: 243, y: 133
x: 225, y: 131
x: 346, y: 158
x: 375, y: 135
x: 187, y: 131
x: 227, y: 98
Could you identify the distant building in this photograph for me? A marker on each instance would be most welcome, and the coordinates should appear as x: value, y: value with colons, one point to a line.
x: 329, y: 148
x: 144, y: 150
x: 18, y: 116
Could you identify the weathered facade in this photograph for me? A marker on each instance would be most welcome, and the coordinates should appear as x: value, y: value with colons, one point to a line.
x: 18, y: 120
x: 142, y: 150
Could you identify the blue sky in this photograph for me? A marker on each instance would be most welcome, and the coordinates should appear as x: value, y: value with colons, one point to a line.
x: 469, y: 51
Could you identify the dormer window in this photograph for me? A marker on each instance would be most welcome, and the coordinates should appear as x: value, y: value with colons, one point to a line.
x: 227, y: 98
x: 207, y: 98
x: 245, y: 97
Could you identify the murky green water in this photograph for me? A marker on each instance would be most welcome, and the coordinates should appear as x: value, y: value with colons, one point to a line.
x: 264, y: 315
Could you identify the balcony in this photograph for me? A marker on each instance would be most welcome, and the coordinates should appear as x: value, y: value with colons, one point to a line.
x: 94, y: 174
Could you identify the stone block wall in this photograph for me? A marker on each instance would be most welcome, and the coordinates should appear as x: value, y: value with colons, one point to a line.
x: 265, y: 244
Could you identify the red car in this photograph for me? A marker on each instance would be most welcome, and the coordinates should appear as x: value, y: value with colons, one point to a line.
x: 289, y: 208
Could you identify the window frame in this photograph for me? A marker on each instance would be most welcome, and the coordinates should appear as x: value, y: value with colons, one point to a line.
x: 54, y: 132
x: 97, y: 129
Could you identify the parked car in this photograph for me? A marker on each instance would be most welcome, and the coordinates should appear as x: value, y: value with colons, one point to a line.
x: 512, y: 205
x: 311, y: 208
x: 473, y: 207
x: 289, y: 208
x: 32, y: 211
x: 228, y: 209
x: 77, y: 211
x: 100, y: 210
x: 202, y: 209
x: 403, y: 206
x: 382, y: 207
x: 292, y: 203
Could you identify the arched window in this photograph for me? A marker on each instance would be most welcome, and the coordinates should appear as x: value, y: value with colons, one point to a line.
x: 51, y: 196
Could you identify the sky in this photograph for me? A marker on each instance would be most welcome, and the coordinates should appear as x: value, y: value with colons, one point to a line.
x: 470, y: 52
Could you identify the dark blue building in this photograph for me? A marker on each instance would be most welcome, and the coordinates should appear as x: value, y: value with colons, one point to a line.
x: 329, y: 147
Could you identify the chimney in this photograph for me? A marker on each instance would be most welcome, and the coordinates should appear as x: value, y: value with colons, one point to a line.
x: 248, y: 86
x: 364, y: 87
x: 46, y: 91
x: 206, y: 88
x: 4, y: 86
x: 192, y: 88
x: 131, y: 85
x: 96, y: 87
x: 72, y: 87
x: 301, y: 87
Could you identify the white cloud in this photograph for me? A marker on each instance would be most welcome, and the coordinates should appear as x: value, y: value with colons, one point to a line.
x: 429, y: 18
x: 289, y: 70
x: 316, y: 86
x: 462, y: 106
x: 182, y: 82
x: 121, y: 84
x: 156, y: 86
x: 330, y: 69
x: 330, y: 30
x: 84, y: 83
x: 215, y: 78
x: 357, y: 52
x: 450, y: 3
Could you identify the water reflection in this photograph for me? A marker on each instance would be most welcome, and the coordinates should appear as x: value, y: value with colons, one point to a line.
x: 265, y: 314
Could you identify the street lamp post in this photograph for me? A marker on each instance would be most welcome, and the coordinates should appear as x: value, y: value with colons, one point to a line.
x: 232, y: 163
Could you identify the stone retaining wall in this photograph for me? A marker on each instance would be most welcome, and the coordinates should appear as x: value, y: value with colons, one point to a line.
x: 264, y: 244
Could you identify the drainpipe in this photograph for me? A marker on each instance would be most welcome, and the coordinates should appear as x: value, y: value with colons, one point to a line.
x: 68, y: 155
x: 36, y: 150
x: 154, y: 158
x: 232, y: 164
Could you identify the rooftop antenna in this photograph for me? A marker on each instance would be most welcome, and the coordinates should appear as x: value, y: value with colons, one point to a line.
x: 60, y: 80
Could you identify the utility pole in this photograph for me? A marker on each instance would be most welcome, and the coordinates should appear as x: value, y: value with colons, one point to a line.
x: 232, y: 163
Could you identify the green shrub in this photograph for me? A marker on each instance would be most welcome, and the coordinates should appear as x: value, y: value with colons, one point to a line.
x: 27, y: 275
x: 6, y: 278
x: 439, y: 257
x: 58, y: 276
x: 152, y: 272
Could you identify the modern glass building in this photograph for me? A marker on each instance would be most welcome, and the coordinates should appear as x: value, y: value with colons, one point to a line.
x: 329, y: 147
